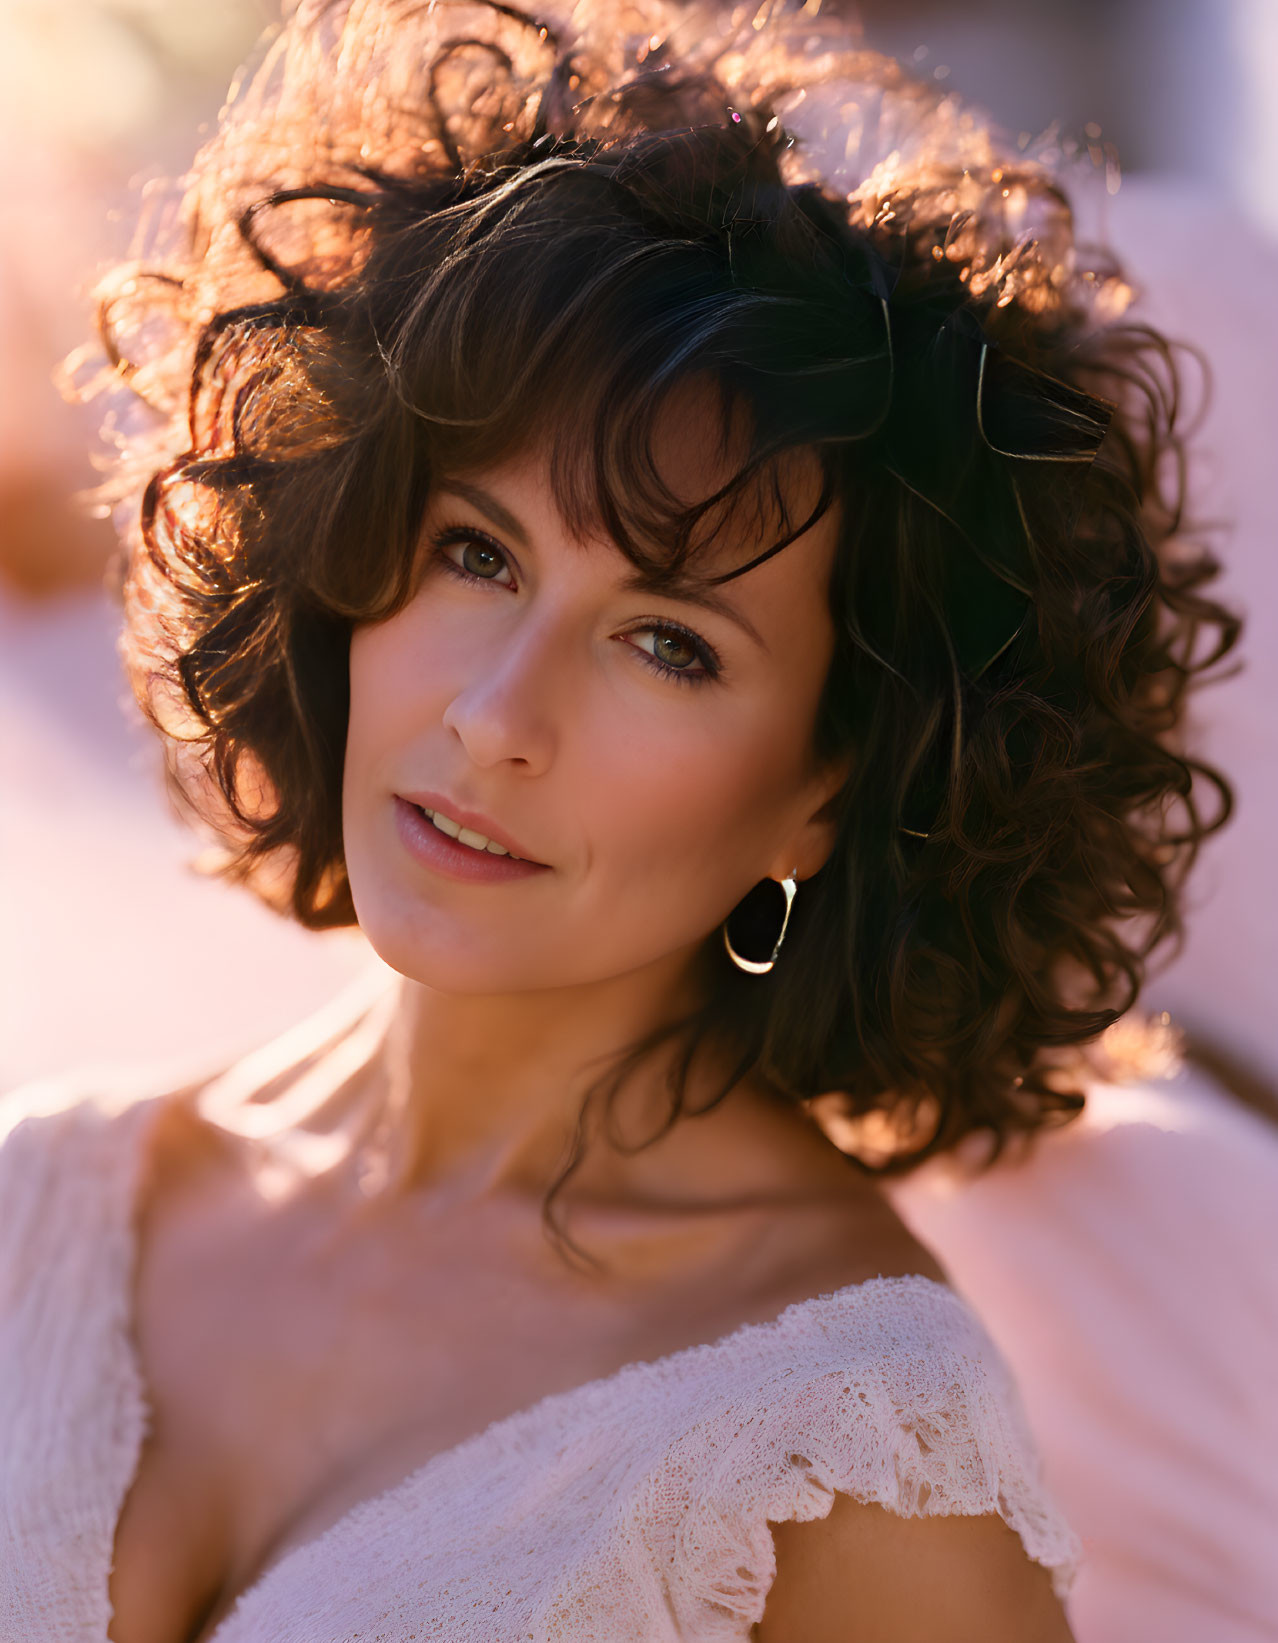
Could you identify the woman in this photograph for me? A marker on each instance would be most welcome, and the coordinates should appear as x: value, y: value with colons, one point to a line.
x: 720, y: 638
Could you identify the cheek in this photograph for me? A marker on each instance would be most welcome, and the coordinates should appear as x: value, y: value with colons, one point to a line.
x: 690, y: 812
x: 390, y: 710
x: 398, y: 684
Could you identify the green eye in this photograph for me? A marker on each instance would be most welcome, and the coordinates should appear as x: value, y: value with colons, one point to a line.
x: 481, y: 560
x: 469, y: 554
x: 673, y: 649
x: 675, y: 654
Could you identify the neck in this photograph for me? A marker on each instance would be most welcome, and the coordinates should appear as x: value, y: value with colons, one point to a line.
x: 481, y: 1094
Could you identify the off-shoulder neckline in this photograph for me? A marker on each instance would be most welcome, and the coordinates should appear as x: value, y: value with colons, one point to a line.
x: 498, y: 1430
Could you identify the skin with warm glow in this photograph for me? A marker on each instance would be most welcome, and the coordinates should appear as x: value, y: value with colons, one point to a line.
x: 534, y: 696
x: 655, y: 754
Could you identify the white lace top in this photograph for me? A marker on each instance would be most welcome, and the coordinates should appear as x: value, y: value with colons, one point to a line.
x: 632, y: 1509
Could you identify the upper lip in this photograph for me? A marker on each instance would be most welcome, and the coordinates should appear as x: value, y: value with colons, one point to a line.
x: 475, y: 820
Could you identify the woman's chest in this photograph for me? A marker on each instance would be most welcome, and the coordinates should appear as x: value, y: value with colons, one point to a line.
x: 292, y: 1378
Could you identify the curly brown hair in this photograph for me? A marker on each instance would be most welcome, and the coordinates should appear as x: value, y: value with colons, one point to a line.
x: 424, y: 237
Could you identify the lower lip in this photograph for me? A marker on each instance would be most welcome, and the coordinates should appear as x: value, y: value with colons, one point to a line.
x: 426, y: 844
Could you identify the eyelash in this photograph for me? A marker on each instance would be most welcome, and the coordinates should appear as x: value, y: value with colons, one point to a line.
x: 710, y: 663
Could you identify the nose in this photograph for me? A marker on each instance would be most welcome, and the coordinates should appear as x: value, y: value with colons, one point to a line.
x: 505, y: 712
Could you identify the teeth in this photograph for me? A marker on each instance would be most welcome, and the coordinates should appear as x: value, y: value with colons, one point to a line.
x: 466, y: 835
x: 444, y: 823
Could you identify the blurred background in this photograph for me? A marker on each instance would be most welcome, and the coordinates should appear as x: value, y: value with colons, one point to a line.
x: 111, y: 950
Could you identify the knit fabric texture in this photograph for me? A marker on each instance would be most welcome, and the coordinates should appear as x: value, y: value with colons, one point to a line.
x: 632, y: 1509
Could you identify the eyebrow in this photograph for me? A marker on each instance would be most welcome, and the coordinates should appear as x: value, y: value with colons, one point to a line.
x: 489, y: 506
x: 682, y: 590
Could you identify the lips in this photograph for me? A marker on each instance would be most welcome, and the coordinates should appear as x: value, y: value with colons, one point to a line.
x: 474, y: 821
x: 449, y: 858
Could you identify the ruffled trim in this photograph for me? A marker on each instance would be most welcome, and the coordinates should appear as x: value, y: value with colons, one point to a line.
x: 901, y: 1399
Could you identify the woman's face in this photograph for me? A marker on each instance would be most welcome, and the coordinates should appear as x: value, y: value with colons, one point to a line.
x: 650, y: 754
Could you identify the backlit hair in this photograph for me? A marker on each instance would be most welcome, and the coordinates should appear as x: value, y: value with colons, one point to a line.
x: 427, y: 237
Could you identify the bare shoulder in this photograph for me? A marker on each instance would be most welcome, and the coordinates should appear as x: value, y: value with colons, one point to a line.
x: 184, y: 1153
x: 305, y: 1080
x: 864, y: 1574
x: 833, y: 1224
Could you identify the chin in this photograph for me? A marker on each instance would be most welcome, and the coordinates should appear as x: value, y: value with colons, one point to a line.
x: 434, y: 952
x: 438, y: 959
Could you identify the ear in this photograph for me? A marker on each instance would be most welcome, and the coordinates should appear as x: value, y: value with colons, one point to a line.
x: 808, y: 847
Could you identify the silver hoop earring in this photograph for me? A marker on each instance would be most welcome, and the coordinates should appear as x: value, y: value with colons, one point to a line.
x: 789, y: 887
